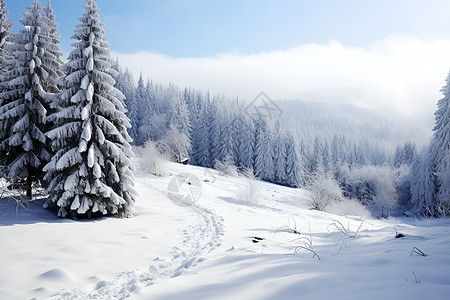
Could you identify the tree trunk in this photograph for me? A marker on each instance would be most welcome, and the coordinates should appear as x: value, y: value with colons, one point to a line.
x: 29, y: 185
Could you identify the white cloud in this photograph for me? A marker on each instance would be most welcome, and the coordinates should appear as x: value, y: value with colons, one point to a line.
x: 399, y: 76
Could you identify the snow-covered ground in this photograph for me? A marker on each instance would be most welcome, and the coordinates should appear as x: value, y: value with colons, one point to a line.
x: 220, y: 248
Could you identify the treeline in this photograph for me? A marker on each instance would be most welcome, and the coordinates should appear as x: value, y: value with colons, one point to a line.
x: 210, y: 130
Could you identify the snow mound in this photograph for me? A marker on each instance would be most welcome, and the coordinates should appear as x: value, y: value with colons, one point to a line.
x: 57, y: 274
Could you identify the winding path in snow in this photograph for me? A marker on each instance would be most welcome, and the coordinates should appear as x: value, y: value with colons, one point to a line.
x: 202, y: 238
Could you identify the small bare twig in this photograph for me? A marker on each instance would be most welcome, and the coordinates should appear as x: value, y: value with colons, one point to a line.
x: 344, y: 231
x: 289, y: 228
x: 308, y: 245
x: 360, y: 225
x: 298, y: 248
x: 417, y: 280
x: 417, y: 251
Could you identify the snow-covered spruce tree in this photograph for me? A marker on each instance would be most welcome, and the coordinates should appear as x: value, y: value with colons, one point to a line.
x: 142, y: 104
x: 6, y: 38
x: 203, y: 155
x: 398, y: 157
x: 23, y: 112
x: 244, y: 135
x: 150, y: 119
x: 405, y: 155
x: 182, y: 121
x: 195, y: 109
x: 295, y: 166
x: 279, y: 155
x: 131, y: 100
x: 316, y: 158
x: 52, y: 57
x: 423, y: 185
x: 178, y: 135
x: 440, y: 150
x: 264, y: 162
x: 91, y: 172
x: 225, y: 146
x: 216, y: 122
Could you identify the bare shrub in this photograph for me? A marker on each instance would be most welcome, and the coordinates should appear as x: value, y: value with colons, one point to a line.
x: 249, y: 191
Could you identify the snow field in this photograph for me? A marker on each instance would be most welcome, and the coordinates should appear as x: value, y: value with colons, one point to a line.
x: 209, y: 250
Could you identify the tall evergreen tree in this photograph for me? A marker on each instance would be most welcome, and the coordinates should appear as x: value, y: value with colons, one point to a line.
x: 295, y: 167
x: 203, y: 154
x: 23, y: 113
x: 91, y: 172
x: 6, y: 38
x: 405, y: 155
x: 53, y: 52
x: 226, y: 140
x: 244, y: 134
x: 423, y: 185
x: 136, y: 95
x: 215, y: 123
x: 398, y: 157
x: 335, y: 151
x: 326, y: 157
x: 264, y: 157
x: 316, y: 157
x: 179, y: 128
x: 148, y: 119
x: 279, y: 156
x: 440, y: 148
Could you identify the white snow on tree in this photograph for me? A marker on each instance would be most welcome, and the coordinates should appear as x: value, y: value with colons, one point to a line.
x: 423, y: 185
x: 440, y: 150
x: 6, y: 38
x: 125, y: 83
x: 135, y: 111
x: 91, y: 171
x: 6, y: 35
x: 244, y: 141
x: 149, y: 116
x: 280, y: 155
x: 295, y: 167
x: 405, y: 155
x: 181, y: 121
x: 203, y: 155
x: 23, y: 111
x: 52, y: 58
x: 263, y: 150
x: 225, y: 147
x: 430, y: 176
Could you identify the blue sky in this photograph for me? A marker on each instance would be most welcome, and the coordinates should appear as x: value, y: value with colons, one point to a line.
x: 391, y: 56
x: 196, y: 28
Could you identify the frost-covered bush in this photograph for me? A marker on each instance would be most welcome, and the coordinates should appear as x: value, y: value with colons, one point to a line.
x: 176, y: 144
x: 226, y: 166
x: 323, y: 191
x: 347, y: 207
x: 326, y: 195
x: 149, y: 159
x: 249, y: 191
x: 373, y: 186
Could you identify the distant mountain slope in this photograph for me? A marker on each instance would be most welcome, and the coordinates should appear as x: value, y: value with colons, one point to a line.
x: 326, y: 120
